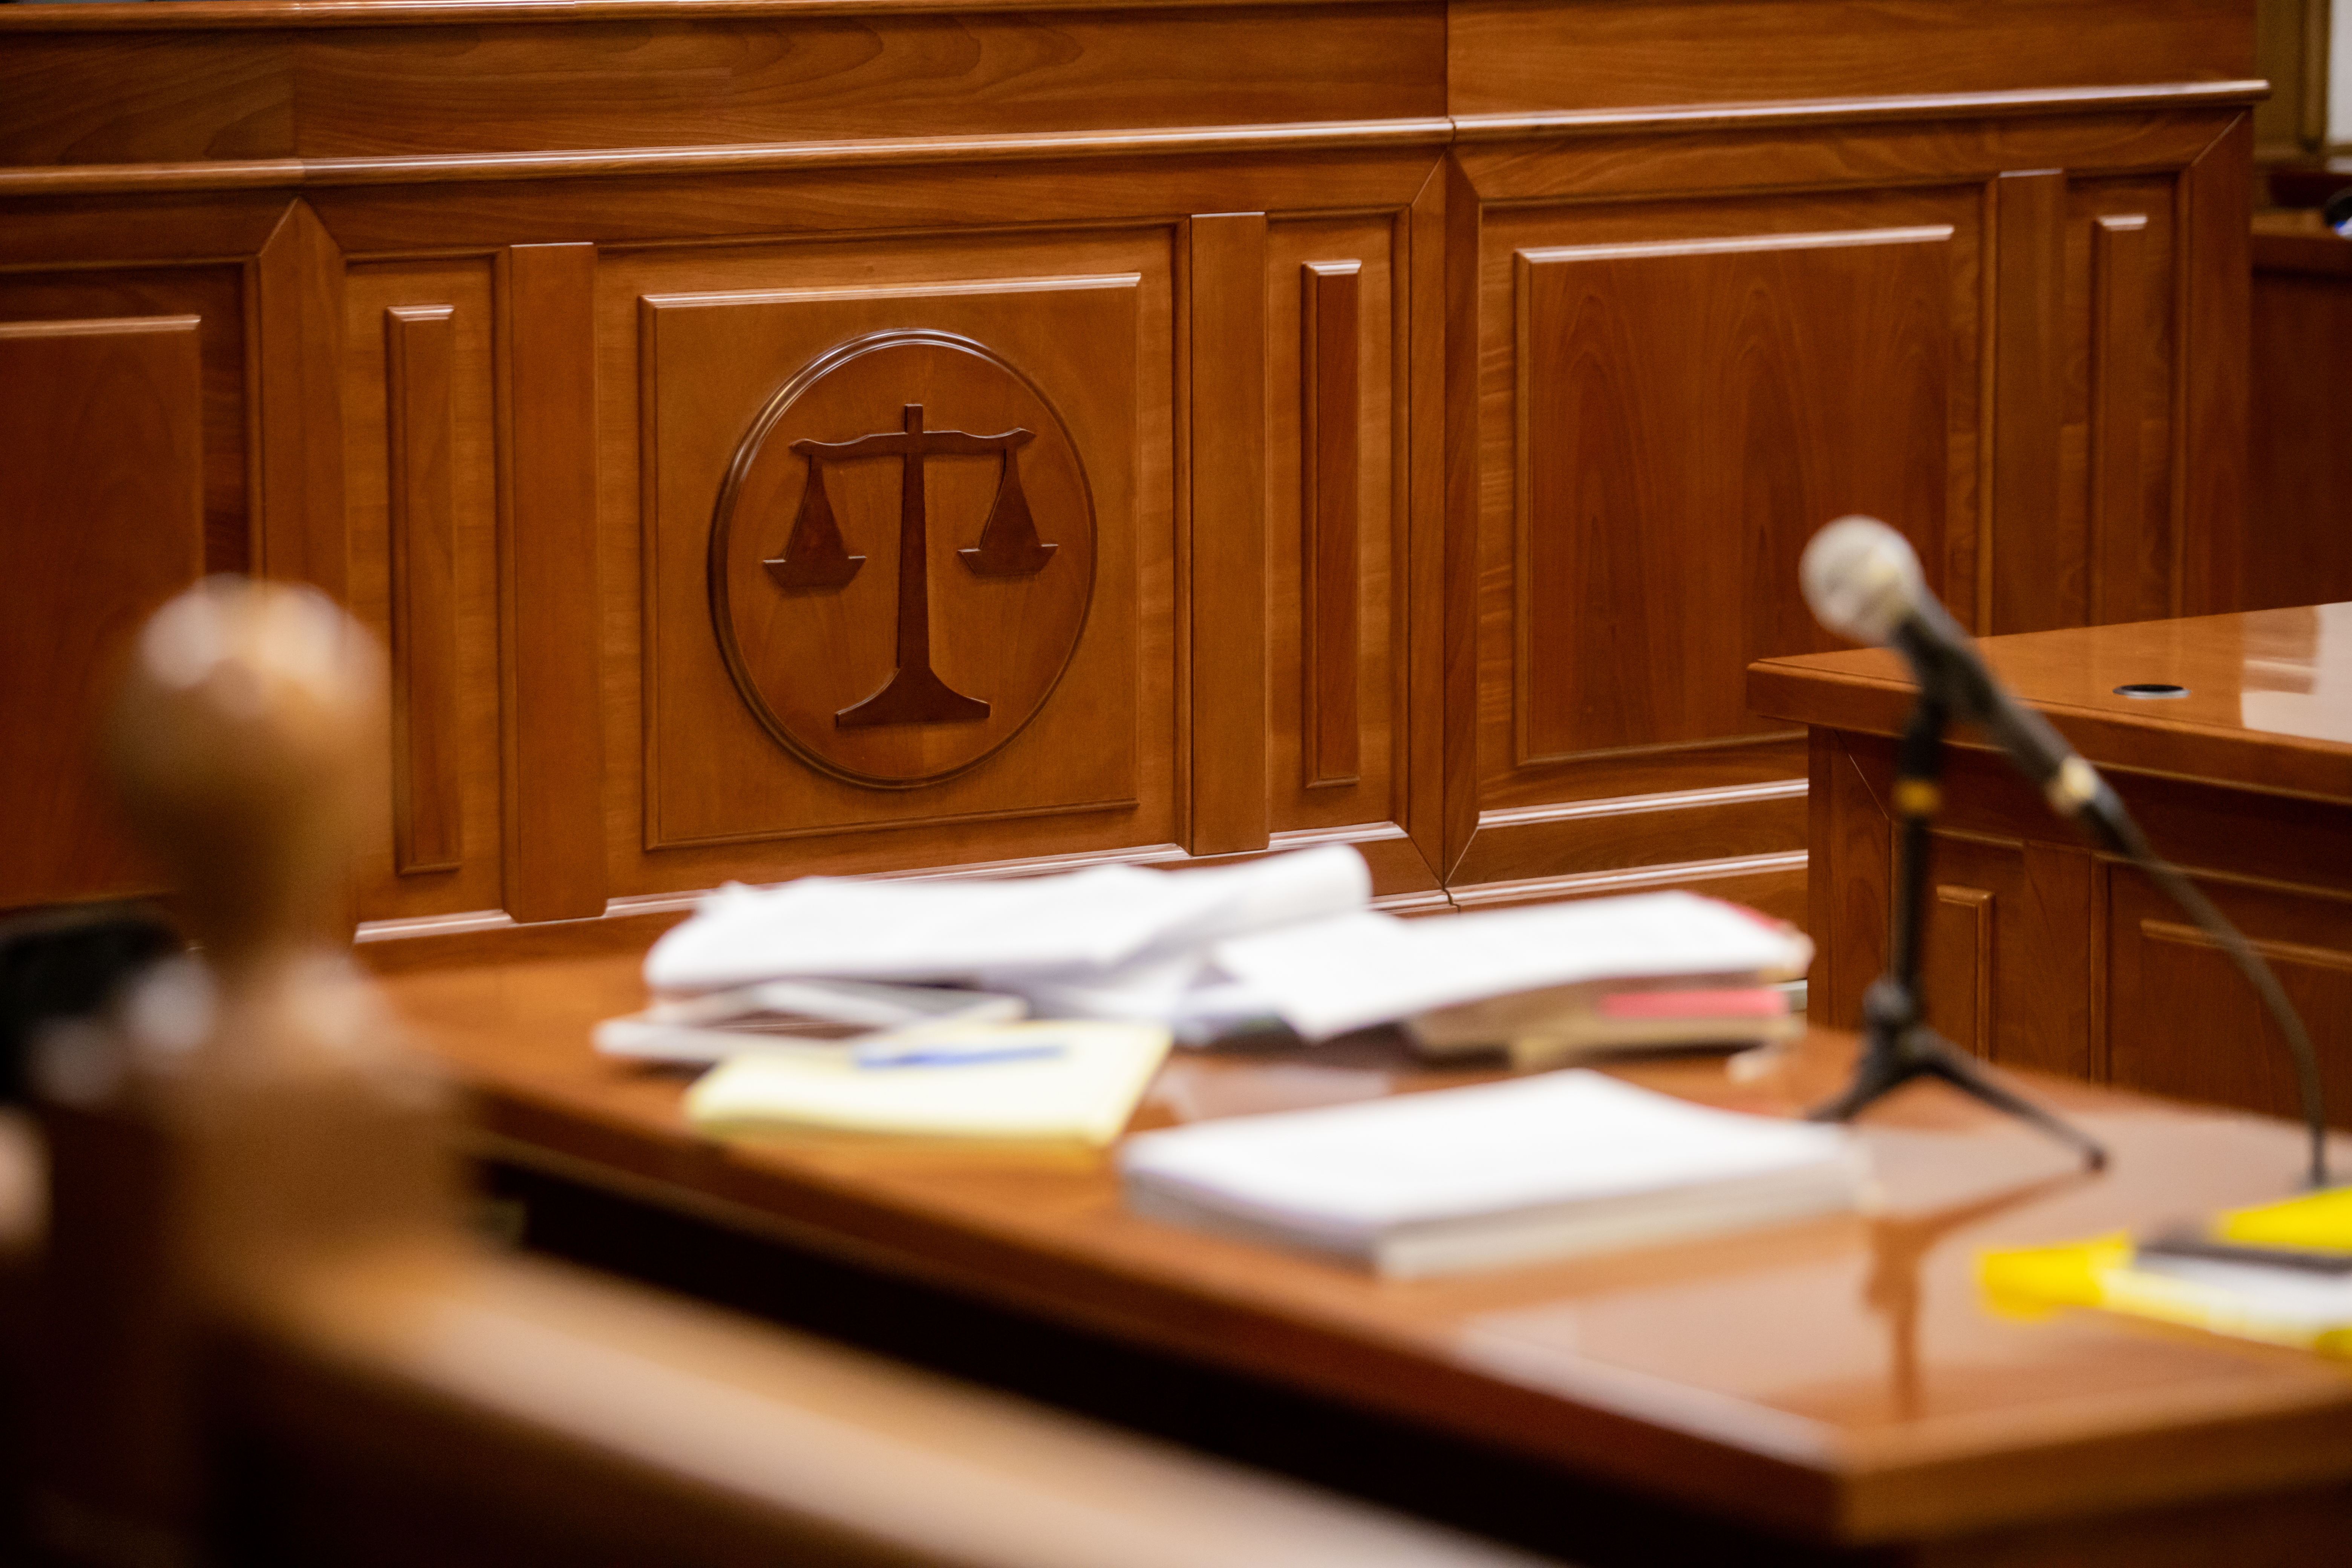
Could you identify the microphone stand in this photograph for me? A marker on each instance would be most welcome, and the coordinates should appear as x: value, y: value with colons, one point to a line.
x: 1897, y: 1044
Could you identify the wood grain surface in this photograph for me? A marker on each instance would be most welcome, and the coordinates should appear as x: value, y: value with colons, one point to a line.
x: 2043, y: 954
x: 1753, y: 1378
x: 75, y: 396
x: 1496, y: 546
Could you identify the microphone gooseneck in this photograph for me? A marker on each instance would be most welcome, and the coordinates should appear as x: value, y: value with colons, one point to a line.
x: 1862, y: 580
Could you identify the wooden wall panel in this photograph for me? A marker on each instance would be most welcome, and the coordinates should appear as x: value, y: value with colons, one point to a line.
x: 2215, y: 542
x: 551, y: 607
x: 101, y: 519
x: 1957, y: 967
x: 667, y: 83
x: 1226, y: 567
x: 298, y: 343
x: 420, y: 353
x: 1335, y: 543
x: 2009, y: 936
x: 421, y: 469
x: 1507, y: 57
x: 2301, y: 470
x: 2034, y: 575
x: 1330, y: 417
x: 1646, y: 580
x: 712, y: 342
x: 2120, y: 387
x: 2182, y: 1021
x: 215, y: 295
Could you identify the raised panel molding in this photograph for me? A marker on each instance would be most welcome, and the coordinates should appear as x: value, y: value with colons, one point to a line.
x: 102, y: 520
x: 1959, y: 982
x: 299, y: 320
x: 427, y: 814
x: 2119, y: 378
x: 2184, y: 1022
x: 776, y: 553
x: 1225, y: 565
x: 2032, y: 571
x: 1330, y: 420
x: 554, y: 806
x: 1646, y: 581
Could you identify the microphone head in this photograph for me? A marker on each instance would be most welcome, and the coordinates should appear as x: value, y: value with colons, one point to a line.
x: 1861, y: 578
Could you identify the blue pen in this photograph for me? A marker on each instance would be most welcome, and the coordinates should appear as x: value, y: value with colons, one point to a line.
x: 939, y: 1056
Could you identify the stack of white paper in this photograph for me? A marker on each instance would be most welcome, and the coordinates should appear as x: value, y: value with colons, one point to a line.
x: 1540, y: 1167
x: 1330, y: 977
x: 1285, y: 941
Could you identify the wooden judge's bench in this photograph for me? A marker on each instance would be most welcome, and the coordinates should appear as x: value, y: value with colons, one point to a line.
x: 1394, y: 423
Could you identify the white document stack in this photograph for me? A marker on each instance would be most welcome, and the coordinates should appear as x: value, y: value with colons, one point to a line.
x: 1439, y: 1182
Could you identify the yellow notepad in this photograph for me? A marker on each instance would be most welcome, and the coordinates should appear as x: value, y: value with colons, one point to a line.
x: 1039, y: 1080
x: 2275, y: 1306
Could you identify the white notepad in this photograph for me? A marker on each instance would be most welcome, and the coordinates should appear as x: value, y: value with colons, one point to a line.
x: 1540, y: 1167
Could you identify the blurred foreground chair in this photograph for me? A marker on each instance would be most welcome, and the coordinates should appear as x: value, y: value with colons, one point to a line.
x: 262, y: 1336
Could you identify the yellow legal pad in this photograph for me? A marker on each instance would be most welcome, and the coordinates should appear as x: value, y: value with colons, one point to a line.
x: 2274, y: 1305
x: 1077, y: 1082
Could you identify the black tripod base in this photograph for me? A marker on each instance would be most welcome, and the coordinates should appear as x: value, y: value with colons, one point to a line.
x: 1894, y: 1057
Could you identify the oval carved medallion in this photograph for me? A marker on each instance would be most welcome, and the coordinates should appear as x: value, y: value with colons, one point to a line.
x: 901, y: 558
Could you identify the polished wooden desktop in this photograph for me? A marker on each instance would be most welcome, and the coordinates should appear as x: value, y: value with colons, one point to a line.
x: 2042, y: 952
x: 1832, y: 1391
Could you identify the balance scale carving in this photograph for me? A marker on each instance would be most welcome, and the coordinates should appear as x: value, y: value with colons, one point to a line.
x: 815, y: 560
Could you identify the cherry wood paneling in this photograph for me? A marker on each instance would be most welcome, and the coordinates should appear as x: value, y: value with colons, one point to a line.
x: 2033, y: 573
x: 2183, y: 1021
x: 184, y: 91
x: 419, y: 356
x: 663, y: 83
x: 1957, y: 967
x: 713, y: 345
x: 1330, y: 421
x: 1225, y: 593
x: 2120, y: 385
x: 1575, y: 837
x: 2214, y: 541
x: 89, y: 544
x: 2301, y: 471
x: 2090, y: 971
x: 1508, y: 56
x: 1337, y: 548
x: 2006, y: 973
x: 429, y: 442
x: 298, y: 321
x: 554, y: 807
x: 1644, y: 583
x: 147, y: 98
x: 215, y: 295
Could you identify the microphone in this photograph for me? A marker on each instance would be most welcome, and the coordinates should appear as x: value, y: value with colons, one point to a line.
x: 1862, y: 580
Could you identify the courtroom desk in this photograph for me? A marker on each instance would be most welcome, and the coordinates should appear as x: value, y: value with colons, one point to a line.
x: 2042, y: 952
x: 2300, y: 464
x: 1828, y: 1392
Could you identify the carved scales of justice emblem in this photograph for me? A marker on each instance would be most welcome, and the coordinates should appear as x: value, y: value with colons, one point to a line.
x: 898, y: 678
x: 815, y: 559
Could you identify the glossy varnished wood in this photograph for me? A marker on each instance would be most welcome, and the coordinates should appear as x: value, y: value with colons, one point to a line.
x: 75, y: 396
x: 1753, y: 1378
x: 2041, y: 952
x: 419, y: 354
x: 2265, y: 708
x: 554, y: 744
x: 1226, y: 597
x: 1220, y: 695
x: 2301, y: 423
